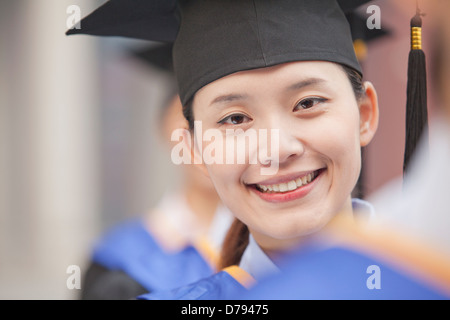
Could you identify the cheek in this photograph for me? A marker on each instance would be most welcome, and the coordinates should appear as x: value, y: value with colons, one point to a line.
x: 339, y: 143
x: 226, y: 180
x: 233, y: 194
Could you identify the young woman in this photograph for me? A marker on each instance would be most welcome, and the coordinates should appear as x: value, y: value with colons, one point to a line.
x: 406, y: 254
x: 283, y: 68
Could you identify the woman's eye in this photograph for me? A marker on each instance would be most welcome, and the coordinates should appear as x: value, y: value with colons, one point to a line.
x: 309, y: 103
x: 234, y: 119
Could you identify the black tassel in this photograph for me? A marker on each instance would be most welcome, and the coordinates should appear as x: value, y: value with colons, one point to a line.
x: 416, y: 103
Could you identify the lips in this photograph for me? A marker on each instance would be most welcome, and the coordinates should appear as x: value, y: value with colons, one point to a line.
x: 289, y: 185
x: 287, y: 188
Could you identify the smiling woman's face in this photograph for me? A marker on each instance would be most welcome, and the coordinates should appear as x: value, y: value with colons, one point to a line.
x: 321, y: 128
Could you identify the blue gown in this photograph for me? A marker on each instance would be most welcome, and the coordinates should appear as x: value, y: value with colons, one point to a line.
x: 129, y: 259
x: 356, y: 264
x: 130, y: 248
x: 347, y: 276
x: 229, y: 282
x: 364, y: 266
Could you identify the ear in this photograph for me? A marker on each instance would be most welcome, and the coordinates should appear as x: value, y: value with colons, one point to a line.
x: 369, y: 114
x: 195, y: 149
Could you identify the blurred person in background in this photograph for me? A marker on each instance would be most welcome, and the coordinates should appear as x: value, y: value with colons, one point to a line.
x: 176, y: 242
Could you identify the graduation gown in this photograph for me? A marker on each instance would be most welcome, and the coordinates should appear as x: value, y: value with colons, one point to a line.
x: 130, y: 259
x: 232, y: 281
x: 362, y: 265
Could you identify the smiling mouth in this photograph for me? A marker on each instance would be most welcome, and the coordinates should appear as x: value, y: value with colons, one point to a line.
x: 289, y: 185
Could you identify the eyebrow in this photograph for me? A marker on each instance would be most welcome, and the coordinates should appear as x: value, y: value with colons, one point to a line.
x: 306, y: 83
x: 229, y: 98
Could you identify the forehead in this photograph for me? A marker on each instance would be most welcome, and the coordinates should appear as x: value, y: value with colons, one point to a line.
x: 284, y: 77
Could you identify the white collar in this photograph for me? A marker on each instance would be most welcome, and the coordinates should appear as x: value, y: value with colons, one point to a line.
x: 363, y: 209
x: 256, y: 262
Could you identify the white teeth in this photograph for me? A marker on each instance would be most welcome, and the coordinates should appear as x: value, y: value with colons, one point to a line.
x: 304, y: 180
x: 292, y: 185
x: 288, y: 186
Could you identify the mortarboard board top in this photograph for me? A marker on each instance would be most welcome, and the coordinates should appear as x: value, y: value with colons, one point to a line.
x: 159, y: 56
x: 214, y: 38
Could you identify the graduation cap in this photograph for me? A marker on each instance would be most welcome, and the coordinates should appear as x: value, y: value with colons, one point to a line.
x: 159, y: 56
x: 362, y: 35
x: 214, y: 38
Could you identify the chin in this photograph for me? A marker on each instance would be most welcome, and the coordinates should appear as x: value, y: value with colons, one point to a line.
x: 296, y: 229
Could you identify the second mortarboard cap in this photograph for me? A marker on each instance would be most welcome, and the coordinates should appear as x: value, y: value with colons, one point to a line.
x: 215, y: 38
x: 362, y: 35
x: 159, y: 56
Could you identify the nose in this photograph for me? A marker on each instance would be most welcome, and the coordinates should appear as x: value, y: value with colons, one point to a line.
x: 283, y: 145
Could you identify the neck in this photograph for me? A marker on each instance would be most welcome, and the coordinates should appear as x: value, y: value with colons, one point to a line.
x: 275, y: 248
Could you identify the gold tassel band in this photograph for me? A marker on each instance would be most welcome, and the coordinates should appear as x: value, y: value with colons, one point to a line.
x: 416, y: 38
x: 360, y: 49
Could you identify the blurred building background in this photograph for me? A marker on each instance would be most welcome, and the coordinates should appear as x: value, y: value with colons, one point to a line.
x: 79, y: 149
x: 78, y: 146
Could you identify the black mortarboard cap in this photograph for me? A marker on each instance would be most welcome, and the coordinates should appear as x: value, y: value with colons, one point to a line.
x: 214, y: 38
x: 159, y: 56
x: 362, y: 35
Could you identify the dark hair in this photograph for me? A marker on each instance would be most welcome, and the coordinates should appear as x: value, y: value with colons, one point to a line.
x: 234, y: 244
x: 189, y: 113
x: 236, y: 239
x: 356, y: 81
